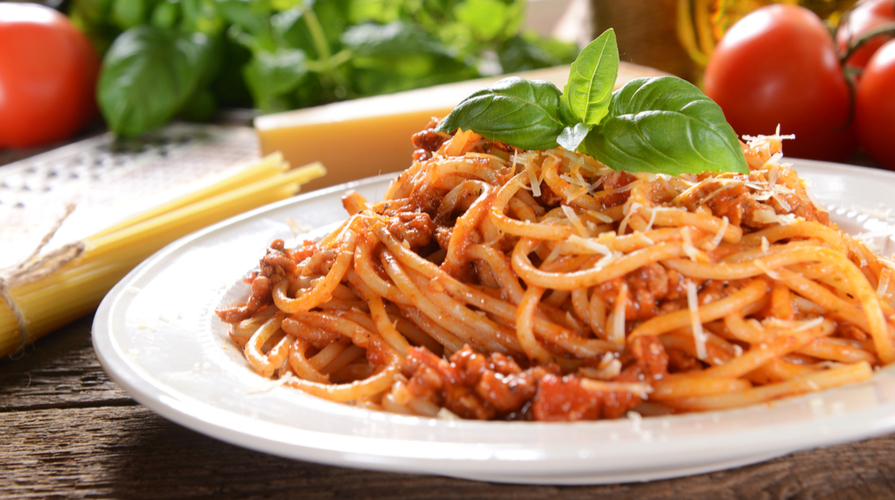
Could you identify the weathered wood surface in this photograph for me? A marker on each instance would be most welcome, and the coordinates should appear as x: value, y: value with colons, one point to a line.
x: 70, y: 432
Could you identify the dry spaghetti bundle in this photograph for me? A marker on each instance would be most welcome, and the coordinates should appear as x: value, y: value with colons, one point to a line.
x: 498, y: 283
x: 47, y: 291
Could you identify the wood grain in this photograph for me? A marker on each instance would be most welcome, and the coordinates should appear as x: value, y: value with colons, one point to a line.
x: 129, y: 452
x: 59, y: 370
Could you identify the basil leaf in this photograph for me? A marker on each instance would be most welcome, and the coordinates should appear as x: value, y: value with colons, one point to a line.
x: 313, y: 26
x: 526, y: 52
x: 591, y: 81
x: 665, y: 125
x: 400, y: 56
x: 518, y: 112
x: 571, y: 137
x: 272, y: 75
x: 129, y: 13
x: 148, y: 75
x: 490, y: 19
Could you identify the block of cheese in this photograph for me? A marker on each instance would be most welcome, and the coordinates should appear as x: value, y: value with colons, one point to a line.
x: 370, y: 136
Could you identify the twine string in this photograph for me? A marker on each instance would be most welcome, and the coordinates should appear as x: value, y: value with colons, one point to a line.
x: 33, y: 268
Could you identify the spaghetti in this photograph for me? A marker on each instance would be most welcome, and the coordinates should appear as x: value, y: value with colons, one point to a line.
x: 497, y: 283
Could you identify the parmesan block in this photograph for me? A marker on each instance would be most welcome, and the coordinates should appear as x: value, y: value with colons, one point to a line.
x: 371, y: 136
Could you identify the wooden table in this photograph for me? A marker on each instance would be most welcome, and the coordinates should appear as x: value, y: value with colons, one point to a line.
x: 70, y: 432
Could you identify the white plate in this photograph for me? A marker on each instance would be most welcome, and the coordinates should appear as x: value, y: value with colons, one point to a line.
x: 157, y: 336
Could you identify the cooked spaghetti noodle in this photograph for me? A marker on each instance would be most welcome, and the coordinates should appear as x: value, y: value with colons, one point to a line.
x: 497, y: 283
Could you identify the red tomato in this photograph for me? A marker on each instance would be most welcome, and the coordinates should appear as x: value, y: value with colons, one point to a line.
x: 866, y: 17
x: 778, y: 65
x: 48, y: 75
x: 875, y: 107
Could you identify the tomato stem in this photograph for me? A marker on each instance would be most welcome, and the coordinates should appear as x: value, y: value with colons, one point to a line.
x: 888, y: 29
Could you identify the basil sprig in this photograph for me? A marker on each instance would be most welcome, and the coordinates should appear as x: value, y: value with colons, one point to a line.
x: 658, y: 125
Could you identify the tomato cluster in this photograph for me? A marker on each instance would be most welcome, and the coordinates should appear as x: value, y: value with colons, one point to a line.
x: 48, y: 73
x: 780, y: 65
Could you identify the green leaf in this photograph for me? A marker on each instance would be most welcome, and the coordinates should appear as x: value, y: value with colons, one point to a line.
x: 147, y: 76
x: 314, y: 27
x: 519, y: 112
x: 201, y: 16
x: 166, y: 14
x: 200, y: 107
x: 400, y: 56
x: 379, y: 11
x: 526, y: 52
x: 272, y: 75
x: 488, y: 19
x: 130, y: 13
x: 571, y: 137
x: 591, y: 81
x: 392, y: 39
x: 665, y: 125
x: 93, y: 17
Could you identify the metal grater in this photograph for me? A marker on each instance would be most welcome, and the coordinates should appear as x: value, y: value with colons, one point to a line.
x: 110, y: 180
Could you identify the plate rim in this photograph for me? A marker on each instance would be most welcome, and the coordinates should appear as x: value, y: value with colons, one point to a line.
x: 173, y: 406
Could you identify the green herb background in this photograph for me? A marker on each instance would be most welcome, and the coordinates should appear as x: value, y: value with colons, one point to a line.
x: 167, y: 58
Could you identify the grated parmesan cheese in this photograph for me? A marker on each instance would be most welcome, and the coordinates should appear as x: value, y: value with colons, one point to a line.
x: 883, y: 287
x: 647, y: 239
x: 589, y: 244
x: 809, y: 324
x: 688, y: 247
x: 624, y: 223
x: 600, y: 216
x: 765, y: 269
x: 716, y: 241
x: 652, y: 219
x: 575, y: 220
x: 699, y: 336
x: 617, y: 335
x: 765, y: 244
x: 638, y: 389
x: 533, y: 180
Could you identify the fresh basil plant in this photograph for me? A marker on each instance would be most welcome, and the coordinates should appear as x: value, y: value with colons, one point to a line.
x: 658, y: 125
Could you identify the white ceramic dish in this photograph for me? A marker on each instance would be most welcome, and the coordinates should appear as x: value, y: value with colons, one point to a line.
x: 156, y: 335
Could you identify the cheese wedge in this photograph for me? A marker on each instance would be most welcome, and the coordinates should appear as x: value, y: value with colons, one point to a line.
x: 370, y: 136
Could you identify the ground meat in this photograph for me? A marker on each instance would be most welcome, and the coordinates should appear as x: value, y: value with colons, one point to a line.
x: 471, y: 384
x: 616, y: 180
x: 567, y: 399
x: 427, y: 142
x: 474, y: 385
x: 680, y: 362
x: 415, y: 228
x: 563, y: 399
x: 496, y: 379
x: 648, y: 287
x: 548, y: 198
x: 275, y: 264
x: 729, y: 202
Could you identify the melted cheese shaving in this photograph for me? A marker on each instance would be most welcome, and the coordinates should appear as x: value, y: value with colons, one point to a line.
x: 600, y: 216
x: 633, y: 207
x: 699, y: 336
x: 689, y: 250
x: 883, y: 287
x: 587, y: 245
x: 617, y: 333
x: 716, y: 241
x: 575, y: 220
x: 767, y: 270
